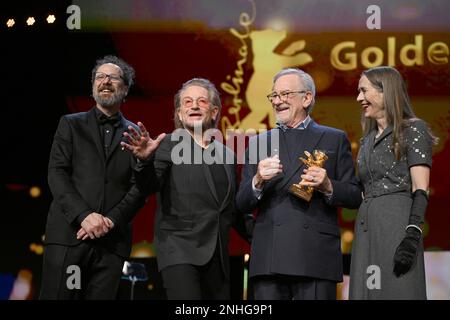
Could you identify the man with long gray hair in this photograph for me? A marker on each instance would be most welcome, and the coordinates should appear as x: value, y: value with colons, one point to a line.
x: 196, y: 196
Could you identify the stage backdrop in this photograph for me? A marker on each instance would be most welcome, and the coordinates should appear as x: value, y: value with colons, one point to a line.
x: 237, y: 44
x: 241, y: 44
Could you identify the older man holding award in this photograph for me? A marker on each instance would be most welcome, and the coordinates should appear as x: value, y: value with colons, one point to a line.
x: 296, y: 249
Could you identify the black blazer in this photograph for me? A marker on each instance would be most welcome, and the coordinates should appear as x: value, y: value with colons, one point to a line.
x: 82, y: 180
x: 290, y: 235
x: 190, y: 218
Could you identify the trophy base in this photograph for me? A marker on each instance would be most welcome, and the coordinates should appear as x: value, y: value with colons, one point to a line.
x: 299, y: 191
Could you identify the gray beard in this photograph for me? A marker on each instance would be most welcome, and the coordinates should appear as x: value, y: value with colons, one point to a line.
x: 114, y: 100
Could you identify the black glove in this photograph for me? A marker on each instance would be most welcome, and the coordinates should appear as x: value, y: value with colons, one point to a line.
x: 406, y: 252
x: 419, y: 207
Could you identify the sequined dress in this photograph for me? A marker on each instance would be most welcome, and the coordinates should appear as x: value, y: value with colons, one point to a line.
x: 384, y: 214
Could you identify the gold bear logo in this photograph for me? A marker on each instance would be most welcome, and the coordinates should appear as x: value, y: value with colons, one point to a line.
x: 266, y: 63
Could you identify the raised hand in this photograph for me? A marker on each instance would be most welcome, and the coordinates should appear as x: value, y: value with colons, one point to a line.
x: 141, y: 145
x: 267, y: 169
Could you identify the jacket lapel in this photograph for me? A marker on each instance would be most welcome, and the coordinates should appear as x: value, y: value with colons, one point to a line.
x: 371, y: 143
x: 210, y: 182
x: 205, y: 169
x: 385, y: 133
x: 219, y: 158
x: 230, y: 181
x: 222, y: 155
x: 117, y: 136
x: 368, y: 147
x: 283, y: 153
x: 95, y: 132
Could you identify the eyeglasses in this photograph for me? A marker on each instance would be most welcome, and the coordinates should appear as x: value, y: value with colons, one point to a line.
x: 283, y: 96
x: 189, y: 102
x: 100, y: 76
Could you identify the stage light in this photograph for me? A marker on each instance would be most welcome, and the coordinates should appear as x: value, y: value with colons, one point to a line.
x: 35, y: 192
x: 10, y: 23
x: 22, y: 286
x: 277, y: 24
x: 347, y: 236
x: 37, y: 248
x: 246, y: 257
x: 16, y: 186
x: 30, y: 21
x: 347, y: 239
x: 142, y: 250
x: 51, y: 18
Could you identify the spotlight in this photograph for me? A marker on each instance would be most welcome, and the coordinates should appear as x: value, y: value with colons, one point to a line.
x: 30, y: 21
x: 347, y: 236
x: 51, y: 18
x: 10, y: 23
x: 22, y: 286
x: 37, y: 248
x: 277, y: 24
x: 35, y: 192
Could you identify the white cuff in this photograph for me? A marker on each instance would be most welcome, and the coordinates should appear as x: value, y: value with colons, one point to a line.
x: 256, y: 191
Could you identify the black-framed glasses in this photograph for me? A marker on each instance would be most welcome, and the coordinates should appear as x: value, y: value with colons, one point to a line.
x: 283, y: 96
x: 101, y: 76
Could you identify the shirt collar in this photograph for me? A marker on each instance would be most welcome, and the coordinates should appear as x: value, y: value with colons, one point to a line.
x: 301, y: 126
x: 116, y: 118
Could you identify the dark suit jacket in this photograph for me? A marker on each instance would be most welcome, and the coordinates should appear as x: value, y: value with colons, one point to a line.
x: 190, y: 218
x: 290, y: 235
x: 82, y: 180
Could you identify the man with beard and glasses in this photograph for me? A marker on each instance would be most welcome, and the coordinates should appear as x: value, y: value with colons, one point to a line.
x: 296, y: 248
x: 196, y: 177
x: 88, y: 233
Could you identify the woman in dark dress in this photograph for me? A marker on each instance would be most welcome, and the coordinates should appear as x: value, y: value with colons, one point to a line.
x: 394, y: 164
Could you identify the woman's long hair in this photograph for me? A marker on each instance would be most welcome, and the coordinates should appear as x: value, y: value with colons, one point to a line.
x: 397, y: 106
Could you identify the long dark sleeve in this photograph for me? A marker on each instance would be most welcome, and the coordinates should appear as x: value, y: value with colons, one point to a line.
x: 128, y: 207
x: 246, y: 201
x: 150, y: 175
x: 59, y: 171
x: 346, y: 189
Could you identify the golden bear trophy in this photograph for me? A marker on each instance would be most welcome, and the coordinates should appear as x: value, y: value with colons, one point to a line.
x: 317, y: 159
